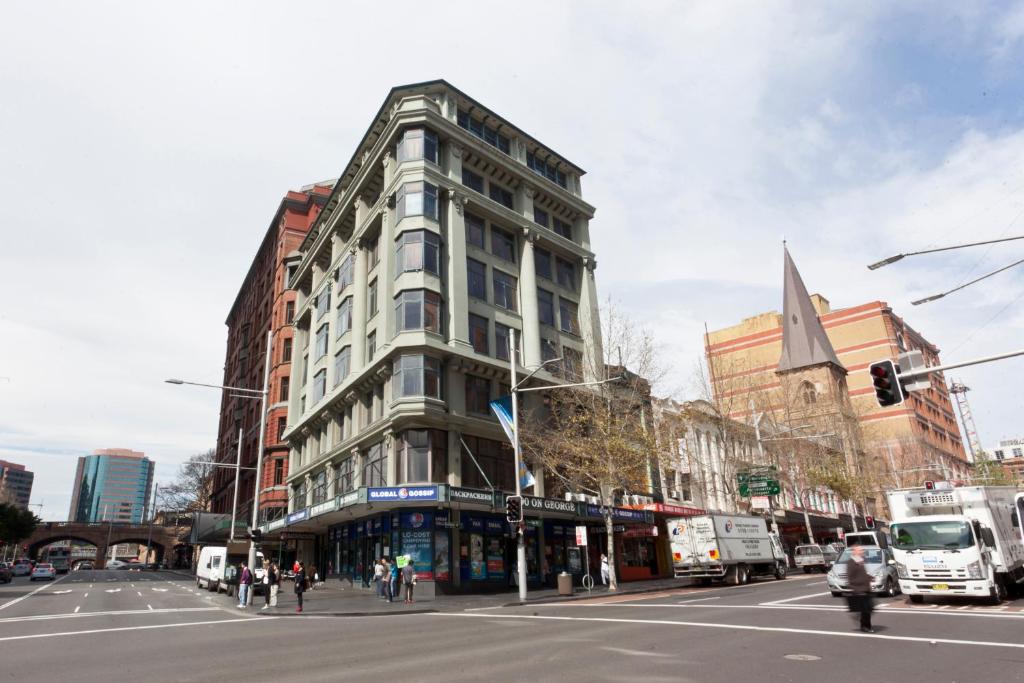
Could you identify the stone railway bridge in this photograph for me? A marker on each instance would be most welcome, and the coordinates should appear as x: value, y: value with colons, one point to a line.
x: 103, y: 535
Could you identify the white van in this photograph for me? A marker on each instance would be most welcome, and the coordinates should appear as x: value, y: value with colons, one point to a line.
x: 217, y: 570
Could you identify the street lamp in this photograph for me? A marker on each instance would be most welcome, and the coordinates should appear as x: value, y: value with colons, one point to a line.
x: 517, y: 389
x: 262, y: 395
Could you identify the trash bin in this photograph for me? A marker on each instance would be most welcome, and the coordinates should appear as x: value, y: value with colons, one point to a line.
x: 565, y: 583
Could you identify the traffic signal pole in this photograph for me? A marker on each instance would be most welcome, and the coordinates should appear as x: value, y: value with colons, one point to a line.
x: 520, y: 535
x: 922, y: 372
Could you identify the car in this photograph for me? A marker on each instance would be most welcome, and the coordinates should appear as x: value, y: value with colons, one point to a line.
x: 6, y: 573
x: 880, y: 566
x: 815, y: 557
x: 22, y: 568
x: 84, y: 566
x: 43, y: 570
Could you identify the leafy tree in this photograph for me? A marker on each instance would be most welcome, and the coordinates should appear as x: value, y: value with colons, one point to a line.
x: 192, y: 490
x: 989, y: 472
x: 16, y: 524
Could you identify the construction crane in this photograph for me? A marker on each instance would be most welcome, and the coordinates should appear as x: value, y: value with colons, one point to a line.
x: 959, y: 390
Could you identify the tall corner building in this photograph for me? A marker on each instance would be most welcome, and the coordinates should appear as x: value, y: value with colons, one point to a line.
x: 448, y: 229
x: 15, y: 484
x: 264, y: 303
x: 749, y: 363
x: 112, y: 485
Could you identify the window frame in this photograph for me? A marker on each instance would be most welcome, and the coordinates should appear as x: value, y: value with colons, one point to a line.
x: 470, y: 263
x: 416, y: 375
x: 503, y: 298
x: 486, y: 333
x: 500, y: 236
x: 426, y: 244
x: 426, y: 206
x: 422, y: 300
x: 543, y: 306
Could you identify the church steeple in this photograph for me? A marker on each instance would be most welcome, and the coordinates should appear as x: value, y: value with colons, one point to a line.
x: 804, y: 342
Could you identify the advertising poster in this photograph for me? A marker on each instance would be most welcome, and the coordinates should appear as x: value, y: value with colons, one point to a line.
x: 442, y: 571
x: 418, y: 546
x: 477, y: 568
x: 495, y: 560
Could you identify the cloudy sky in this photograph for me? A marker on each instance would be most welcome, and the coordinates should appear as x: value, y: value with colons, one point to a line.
x: 144, y: 148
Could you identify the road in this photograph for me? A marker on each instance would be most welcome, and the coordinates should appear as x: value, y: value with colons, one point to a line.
x: 115, y: 624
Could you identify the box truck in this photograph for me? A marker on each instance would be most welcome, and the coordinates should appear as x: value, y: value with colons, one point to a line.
x: 733, y: 548
x: 957, y: 540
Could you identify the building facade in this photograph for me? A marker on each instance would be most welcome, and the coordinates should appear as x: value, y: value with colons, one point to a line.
x: 449, y: 231
x: 264, y: 303
x: 15, y: 484
x: 1010, y: 454
x: 112, y: 485
x: 746, y: 368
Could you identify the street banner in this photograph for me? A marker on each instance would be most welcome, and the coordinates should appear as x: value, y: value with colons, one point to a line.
x: 502, y: 409
x: 581, y: 535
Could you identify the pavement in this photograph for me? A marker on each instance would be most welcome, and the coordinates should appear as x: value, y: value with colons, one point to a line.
x: 105, y: 625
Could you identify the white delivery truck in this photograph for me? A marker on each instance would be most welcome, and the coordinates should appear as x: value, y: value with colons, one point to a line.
x: 956, y: 540
x: 733, y: 548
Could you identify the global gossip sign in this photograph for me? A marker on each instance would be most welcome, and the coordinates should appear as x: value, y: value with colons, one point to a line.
x: 401, y: 494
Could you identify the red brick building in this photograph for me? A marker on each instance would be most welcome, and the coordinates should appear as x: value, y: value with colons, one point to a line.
x: 264, y: 302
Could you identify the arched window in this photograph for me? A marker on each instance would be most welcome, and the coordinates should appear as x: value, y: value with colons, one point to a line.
x: 808, y: 393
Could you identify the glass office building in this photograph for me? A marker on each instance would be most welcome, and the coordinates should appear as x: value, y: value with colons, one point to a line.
x: 112, y: 484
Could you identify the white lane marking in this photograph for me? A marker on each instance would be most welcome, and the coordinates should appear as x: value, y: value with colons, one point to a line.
x: 804, y: 608
x: 160, y: 590
x: 62, y: 592
x: 85, y: 596
x: 482, y: 609
x: 140, y: 593
x: 246, y: 620
x: 15, y: 601
x: 635, y: 653
x: 149, y: 607
x: 799, y: 597
x: 77, y: 608
x: 129, y: 612
x: 739, y: 627
x: 686, y: 602
x: 113, y: 590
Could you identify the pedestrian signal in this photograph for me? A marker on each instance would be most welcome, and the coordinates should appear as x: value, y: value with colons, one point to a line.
x: 869, y: 521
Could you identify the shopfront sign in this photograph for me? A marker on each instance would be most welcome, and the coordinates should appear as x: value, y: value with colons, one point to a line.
x: 640, y: 532
x: 298, y: 516
x: 276, y: 524
x: 401, y: 494
x: 461, y: 495
x: 350, y: 498
x: 534, y: 504
x: 670, y: 509
x: 623, y: 514
x: 324, y: 507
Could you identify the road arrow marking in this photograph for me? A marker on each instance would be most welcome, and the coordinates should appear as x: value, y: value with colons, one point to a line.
x: 113, y: 590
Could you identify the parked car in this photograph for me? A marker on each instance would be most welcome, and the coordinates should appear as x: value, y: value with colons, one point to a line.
x: 815, y: 557
x: 43, y: 570
x: 6, y: 573
x: 22, y: 567
x: 879, y: 565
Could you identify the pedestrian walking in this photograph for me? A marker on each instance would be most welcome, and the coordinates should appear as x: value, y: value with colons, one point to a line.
x: 409, y: 580
x: 860, y: 599
x: 244, y: 585
x: 300, y: 584
x: 274, y: 583
x: 604, y: 569
x: 378, y: 577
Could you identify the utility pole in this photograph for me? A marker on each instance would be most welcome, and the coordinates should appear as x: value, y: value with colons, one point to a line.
x: 152, y: 516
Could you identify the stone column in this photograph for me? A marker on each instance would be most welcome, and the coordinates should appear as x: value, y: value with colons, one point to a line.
x: 357, y: 469
x: 389, y: 168
x: 530, y: 342
x: 359, y: 285
x: 454, y: 458
x: 391, y: 453
x: 386, y: 280
x: 590, y: 324
x: 309, y: 490
x: 457, y: 290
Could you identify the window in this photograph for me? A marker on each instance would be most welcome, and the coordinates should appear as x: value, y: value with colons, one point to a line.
x: 288, y: 277
x: 503, y: 245
x: 371, y: 346
x: 345, y: 275
x: 289, y: 312
x: 279, y: 472
x: 371, y: 299
x: 478, y: 333
x: 417, y: 199
x: 472, y: 180
x: 418, y: 309
x: 342, y: 362
x: 416, y: 375
x: 542, y: 263
x: 344, y: 321
x: 566, y: 273
x: 286, y: 350
x: 373, y: 252
x: 478, y: 395
x: 302, y: 369
x: 417, y: 250
x: 495, y: 459
x: 548, y: 350
x: 476, y: 273
x: 375, y: 461
x: 323, y: 303
x: 541, y: 167
x: 319, y: 488
x: 568, y: 316
x: 501, y: 334
x: 540, y: 217
x: 572, y: 363
x: 500, y: 195
x: 489, y: 135
x: 546, y: 307
x: 344, y: 475
x: 283, y: 395
x: 319, y: 385
x: 504, y: 290
x: 302, y: 404
x: 475, y: 230
x: 282, y: 424
x: 321, y: 341
x: 1017, y: 453
x: 417, y: 143
x: 299, y: 495
x: 564, y: 229
x: 808, y: 393
x: 423, y: 456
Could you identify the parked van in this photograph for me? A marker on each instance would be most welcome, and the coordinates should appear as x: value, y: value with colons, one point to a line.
x: 815, y: 557
x: 217, y: 570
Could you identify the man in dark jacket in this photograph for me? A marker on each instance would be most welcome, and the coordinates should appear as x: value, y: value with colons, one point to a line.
x: 244, y: 586
x: 300, y: 584
x: 860, y: 585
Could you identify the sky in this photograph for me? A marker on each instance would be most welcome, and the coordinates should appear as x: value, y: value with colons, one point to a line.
x: 145, y: 147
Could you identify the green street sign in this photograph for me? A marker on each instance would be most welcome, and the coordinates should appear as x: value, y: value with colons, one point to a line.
x: 759, y: 487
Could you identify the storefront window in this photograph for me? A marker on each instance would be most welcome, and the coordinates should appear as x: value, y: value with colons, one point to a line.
x: 424, y: 456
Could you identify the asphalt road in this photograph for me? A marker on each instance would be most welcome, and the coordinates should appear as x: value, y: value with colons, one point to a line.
x: 98, y: 626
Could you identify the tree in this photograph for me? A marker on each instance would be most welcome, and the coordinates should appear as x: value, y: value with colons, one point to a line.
x: 600, y: 439
x: 192, y: 490
x: 16, y: 524
x: 989, y: 472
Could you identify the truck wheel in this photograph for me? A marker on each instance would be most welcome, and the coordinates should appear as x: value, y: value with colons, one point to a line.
x: 732, y: 575
x: 916, y: 599
x: 780, y: 571
x: 997, y: 594
x: 807, y: 570
x: 743, y: 574
x: 836, y: 594
x: 891, y: 589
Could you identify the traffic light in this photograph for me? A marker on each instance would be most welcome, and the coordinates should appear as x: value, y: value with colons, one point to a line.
x: 929, y: 485
x: 885, y: 378
x: 869, y: 521
x: 256, y: 534
x: 514, y: 509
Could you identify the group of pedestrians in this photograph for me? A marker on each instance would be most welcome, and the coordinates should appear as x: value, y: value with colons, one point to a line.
x: 271, y: 584
x: 390, y: 579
